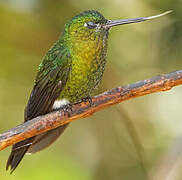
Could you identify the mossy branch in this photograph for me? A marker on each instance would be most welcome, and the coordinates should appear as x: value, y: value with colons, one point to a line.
x: 60, y: 117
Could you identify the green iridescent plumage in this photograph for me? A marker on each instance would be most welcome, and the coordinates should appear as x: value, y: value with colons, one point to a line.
x: 81, y: 49
x: 70, y: 71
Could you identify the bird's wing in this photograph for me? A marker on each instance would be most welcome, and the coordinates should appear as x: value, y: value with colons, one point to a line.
x: 50, y: 80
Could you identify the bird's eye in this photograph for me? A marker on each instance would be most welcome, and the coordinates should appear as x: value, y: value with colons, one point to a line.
x: 90, y: 25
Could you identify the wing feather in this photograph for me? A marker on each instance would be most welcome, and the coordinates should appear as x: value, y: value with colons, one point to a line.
x: 50, y: 80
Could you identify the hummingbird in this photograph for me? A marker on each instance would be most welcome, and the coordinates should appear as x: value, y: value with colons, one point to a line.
x: 70, y: 72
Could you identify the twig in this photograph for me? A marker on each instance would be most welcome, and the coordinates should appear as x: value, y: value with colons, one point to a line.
x: 83, y: 109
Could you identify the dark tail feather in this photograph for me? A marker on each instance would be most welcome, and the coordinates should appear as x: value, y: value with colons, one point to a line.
x: 44, y: 140
x: 17, y: 153
x: 32, y: 145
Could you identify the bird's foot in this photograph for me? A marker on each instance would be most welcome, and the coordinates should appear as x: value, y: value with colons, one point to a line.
x: 89, y: 99
x: 67, y: 108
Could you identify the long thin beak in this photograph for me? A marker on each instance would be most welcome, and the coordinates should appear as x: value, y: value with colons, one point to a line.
x: 111, y: 23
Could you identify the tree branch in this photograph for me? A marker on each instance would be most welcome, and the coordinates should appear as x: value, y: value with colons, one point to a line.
x: 83, y: 109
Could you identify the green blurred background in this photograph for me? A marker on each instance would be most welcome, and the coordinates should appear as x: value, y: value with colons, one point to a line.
x: 127, y: 141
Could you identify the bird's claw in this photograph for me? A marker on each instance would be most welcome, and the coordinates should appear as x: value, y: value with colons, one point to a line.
x: 67, y: 108
x: 89, y: 99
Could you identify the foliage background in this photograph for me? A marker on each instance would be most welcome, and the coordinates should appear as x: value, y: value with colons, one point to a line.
x: 104, y: 146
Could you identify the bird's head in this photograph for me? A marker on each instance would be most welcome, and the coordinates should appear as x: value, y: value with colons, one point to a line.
x: 86, y: 26
x: 90, y: 28
x: 90, y: 24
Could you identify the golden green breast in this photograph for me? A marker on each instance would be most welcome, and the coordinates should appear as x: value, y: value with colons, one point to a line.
x: 88, y: 63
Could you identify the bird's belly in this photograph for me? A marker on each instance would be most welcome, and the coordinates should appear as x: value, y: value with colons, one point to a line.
x: 76, y: 89
x: 80, y: 84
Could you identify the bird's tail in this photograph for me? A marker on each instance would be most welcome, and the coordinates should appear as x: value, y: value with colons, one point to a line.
x: 32, y: 145
x: 18, y: 151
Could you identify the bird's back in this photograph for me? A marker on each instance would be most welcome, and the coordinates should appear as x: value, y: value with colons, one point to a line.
x: 51, y: 77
